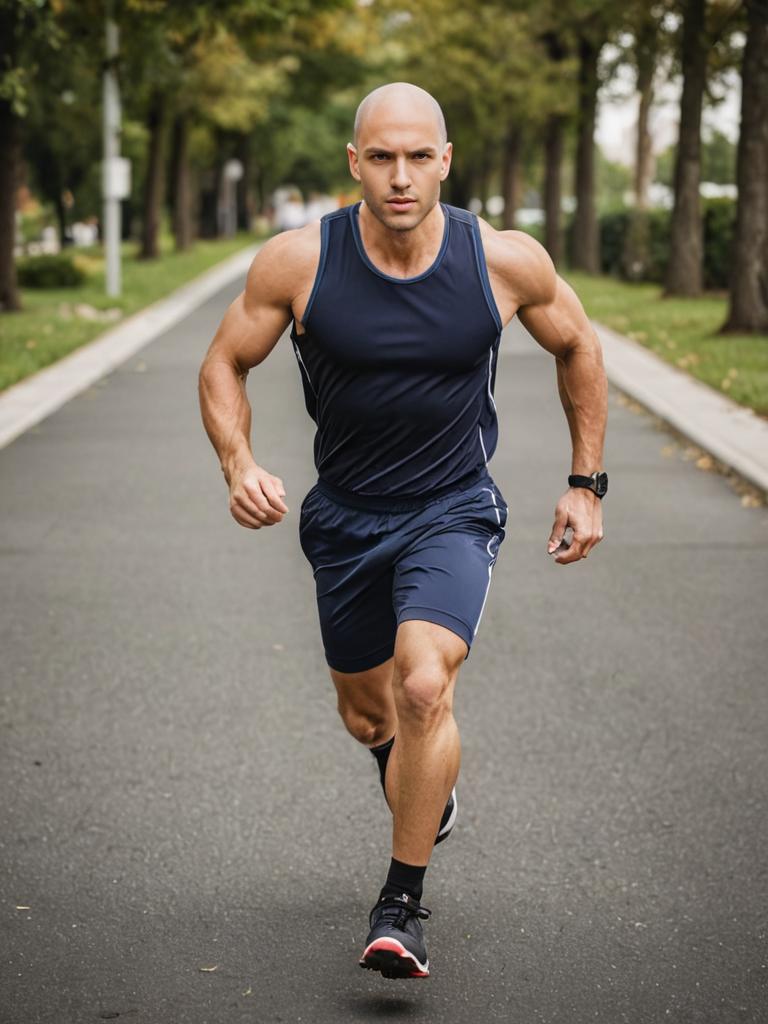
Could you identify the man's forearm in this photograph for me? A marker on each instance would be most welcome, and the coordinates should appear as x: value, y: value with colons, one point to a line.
x: 226, y: 413
x: 583, y: 392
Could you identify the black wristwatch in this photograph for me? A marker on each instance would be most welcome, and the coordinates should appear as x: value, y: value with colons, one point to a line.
x: 597, y: 483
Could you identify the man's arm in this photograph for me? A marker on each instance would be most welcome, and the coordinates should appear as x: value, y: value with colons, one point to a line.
x: 247, y: 334
x: 556, y: 319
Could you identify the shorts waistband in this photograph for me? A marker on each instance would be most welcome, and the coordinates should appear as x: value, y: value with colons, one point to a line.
x: 399, y: 502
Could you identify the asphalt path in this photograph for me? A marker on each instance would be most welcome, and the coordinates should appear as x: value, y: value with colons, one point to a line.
x: 187, y: 834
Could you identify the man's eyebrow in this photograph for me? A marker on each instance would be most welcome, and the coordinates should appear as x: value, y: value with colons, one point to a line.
x: 369, y: 150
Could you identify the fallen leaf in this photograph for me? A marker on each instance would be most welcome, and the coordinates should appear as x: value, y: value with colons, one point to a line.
x: 23, y: 908
x: 209, y: 970
x: 705, y: 462
x: 248, y: 991
x: 750, y: 501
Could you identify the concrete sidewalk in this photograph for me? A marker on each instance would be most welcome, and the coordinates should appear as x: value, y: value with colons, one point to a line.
x: 732, y: 434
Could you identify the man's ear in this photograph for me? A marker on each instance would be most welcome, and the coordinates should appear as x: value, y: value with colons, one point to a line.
x: 446, y: 163
x: 353, y: 161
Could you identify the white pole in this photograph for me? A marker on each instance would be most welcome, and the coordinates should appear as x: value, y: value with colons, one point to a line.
x: 111, y: 152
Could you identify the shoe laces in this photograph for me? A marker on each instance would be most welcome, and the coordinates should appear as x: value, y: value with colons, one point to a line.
x: 404, y: 906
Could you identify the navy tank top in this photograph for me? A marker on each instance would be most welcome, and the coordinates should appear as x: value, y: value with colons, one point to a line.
x: 398, y: 373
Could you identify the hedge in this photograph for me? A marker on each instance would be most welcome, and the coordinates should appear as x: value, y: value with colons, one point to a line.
x: 49, y: 271
x: 634, y: 245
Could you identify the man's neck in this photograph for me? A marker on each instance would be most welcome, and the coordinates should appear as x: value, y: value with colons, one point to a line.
x: 402, y: 253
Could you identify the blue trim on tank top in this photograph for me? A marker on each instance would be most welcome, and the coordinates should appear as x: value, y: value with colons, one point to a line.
x: 482, y: 269
x: 324, y: 234
x: 353, y: 215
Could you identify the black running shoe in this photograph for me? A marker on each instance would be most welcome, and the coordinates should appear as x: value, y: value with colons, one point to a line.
x: 395, y: 944
x: 448, y: 819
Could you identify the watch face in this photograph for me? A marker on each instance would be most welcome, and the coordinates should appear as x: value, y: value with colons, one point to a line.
x: 601, y: 484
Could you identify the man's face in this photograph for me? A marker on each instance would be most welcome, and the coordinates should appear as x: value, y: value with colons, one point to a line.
x: 400, y: 161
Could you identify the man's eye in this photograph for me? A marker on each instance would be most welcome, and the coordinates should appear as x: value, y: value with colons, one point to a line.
x: 380, y: 156
x: 421, y: 156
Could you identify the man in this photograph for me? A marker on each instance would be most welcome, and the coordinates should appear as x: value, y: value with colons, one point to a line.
x: 398, y: 304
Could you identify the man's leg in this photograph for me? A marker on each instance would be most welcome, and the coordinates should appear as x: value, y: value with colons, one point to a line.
x: 425, y: 759
x: 366, y: 703
x: 421, y: 773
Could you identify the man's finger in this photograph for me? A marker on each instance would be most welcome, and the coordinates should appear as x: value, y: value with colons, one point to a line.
x: 572, y: 553
x: 256, y: 503
x: 256, y: 509
x: 242, y: 517
x: 558, y: 530
x: 273, y: 495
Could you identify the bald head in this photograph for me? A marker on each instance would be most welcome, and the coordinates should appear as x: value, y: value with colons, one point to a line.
x: 399, y: 101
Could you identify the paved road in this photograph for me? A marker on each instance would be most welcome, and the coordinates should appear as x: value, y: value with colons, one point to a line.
x: 178, y: 794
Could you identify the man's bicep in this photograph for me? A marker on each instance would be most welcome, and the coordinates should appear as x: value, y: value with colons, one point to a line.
x: 556, y: 325
x: 254, y: 322
x: 249, y: 331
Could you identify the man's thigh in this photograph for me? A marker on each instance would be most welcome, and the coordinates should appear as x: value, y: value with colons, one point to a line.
x: 444, y: 577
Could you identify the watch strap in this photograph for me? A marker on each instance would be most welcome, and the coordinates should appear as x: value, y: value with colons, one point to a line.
x: 597, y: 483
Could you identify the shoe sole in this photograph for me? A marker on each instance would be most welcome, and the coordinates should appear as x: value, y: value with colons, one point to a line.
x: 393, y: 960
x: 447, y: 828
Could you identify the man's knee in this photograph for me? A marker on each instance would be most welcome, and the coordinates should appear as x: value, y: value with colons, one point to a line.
x: 424, y: 694
x: 427, y: 662
x: 367, y: 725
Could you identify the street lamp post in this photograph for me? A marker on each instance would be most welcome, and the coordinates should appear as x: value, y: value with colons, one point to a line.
x: 111, y: 154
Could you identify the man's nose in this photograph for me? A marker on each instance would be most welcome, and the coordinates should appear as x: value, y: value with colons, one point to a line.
x: 400, y: 177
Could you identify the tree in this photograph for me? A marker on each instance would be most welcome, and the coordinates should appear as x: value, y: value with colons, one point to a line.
x: 698, y: 39
x: 748, y: 308
x: 27, y: 29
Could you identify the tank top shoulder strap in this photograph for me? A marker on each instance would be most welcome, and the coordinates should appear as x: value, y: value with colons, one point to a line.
x: 473, y: 227
x: 326, y: 227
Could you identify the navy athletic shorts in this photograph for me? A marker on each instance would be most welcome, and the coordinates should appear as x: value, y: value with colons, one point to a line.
x: 379, y: 563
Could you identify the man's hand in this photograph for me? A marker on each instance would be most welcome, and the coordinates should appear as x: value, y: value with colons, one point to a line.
x: 582, y: 510
x: 256, y: 497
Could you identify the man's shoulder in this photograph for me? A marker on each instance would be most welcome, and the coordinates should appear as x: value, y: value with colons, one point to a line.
x: 519, y: 260
x: 285, y: 262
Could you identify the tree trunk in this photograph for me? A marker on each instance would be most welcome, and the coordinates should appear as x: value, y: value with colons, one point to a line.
x: 646, y: 65
x: 510, y: 175
x: 684, y: 274
x: 586, y: 254
x: 180, y: 184
x: 553, y: 152
x: 155, y: 178
x: 483, y: 179
x: 459, y: 187
x: 749, y: 270
x: 244, y: 195
x: 10, y: 146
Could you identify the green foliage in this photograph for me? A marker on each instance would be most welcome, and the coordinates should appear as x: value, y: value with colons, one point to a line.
x: 58, y: 271
x: 634, y: 245
x: 718, y: 161
x: 719, y: 227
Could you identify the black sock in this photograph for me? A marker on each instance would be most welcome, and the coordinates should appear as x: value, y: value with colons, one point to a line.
x: 404, y: 878
x: 381, y: 753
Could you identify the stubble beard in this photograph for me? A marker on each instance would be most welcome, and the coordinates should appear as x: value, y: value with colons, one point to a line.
x: 394, y: 221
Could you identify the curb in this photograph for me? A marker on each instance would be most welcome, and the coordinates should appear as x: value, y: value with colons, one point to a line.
x: 31, y: 400
x: 735, y: 435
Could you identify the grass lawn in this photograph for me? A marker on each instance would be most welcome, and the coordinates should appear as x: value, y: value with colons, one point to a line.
x: 684, y: 332
x: 56, y: 321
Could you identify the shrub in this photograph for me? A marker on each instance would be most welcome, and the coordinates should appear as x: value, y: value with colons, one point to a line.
x: 634, y: 245
x: 719, y: 224
x: 49, y: 272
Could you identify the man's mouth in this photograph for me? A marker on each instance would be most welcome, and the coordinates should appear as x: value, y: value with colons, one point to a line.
x: 401, y: 202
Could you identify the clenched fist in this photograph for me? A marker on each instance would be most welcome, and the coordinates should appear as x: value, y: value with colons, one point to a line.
x: 256, y: 497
